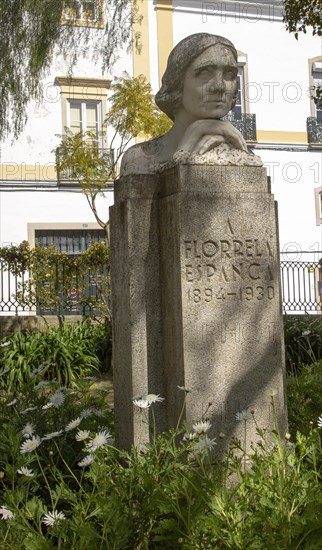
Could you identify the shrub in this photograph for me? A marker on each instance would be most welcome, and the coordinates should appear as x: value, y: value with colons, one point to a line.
x: 304, y: 398
x: 63, y: 353
x: 303, y: 341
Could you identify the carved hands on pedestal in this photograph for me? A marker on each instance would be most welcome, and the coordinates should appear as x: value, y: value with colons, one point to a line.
x: 206, y: 134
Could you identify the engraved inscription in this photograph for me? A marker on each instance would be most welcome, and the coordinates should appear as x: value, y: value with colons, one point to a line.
x: 248, y: 293
x: 231, y: 267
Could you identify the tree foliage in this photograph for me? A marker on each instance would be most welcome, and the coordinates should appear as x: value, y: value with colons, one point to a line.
x: 31, y: 32
x: 132, y: 113
x: 52, y: 280
x: 298, y: 16
x: 301, y: 14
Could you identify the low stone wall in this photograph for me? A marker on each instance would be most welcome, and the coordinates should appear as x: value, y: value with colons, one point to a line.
x: 11, y: 324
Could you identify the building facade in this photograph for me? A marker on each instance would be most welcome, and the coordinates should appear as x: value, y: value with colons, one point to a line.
x: 275, y: 110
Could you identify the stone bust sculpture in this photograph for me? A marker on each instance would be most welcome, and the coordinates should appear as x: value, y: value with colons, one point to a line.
x: 199, y: 87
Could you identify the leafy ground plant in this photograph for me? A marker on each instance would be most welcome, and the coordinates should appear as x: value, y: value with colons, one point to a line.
x: 64, y: 484
x: 64, y: 353
x: 303, y: 341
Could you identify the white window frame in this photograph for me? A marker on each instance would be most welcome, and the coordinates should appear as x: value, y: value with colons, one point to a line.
x: 315, y: 73
x: 317, y: 80
x: 83, y: 103
x: 243, y: 73
x: 83, y: 18
x: 242, y: 90
x: 318, y: 205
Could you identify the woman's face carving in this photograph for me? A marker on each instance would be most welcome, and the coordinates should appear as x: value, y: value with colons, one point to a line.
x: 210, y: 84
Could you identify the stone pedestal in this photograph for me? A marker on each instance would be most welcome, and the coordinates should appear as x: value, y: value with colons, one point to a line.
x: 196, y: 299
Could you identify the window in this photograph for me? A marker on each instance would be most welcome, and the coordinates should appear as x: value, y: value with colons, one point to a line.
x: 83, y: 12
x: 84, y: 104
x: 240, y: 115
x: 318, y: 205
x: 317, y: 83
x: 239, y: 108
x: 315, y: 77
x: 85, y: 116
x: 69, y: 241
x: 75, y: 289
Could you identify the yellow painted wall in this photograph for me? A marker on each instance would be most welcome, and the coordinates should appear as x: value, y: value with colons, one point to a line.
x: 28, y: 172
x: 165, y: 33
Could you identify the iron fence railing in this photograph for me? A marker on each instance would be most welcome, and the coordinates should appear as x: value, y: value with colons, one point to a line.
x: 80, y: 292
x: 301, y: 284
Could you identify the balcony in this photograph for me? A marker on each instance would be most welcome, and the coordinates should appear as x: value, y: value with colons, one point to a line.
x: 314, y: 131
x: 68, y: 176
x: 245, y: 123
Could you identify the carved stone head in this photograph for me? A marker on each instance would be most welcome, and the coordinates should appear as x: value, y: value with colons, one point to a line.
x: 183, y: 56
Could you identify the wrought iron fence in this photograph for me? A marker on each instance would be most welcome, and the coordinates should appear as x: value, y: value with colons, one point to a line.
x: 301, y: 283
x: 84, y: 292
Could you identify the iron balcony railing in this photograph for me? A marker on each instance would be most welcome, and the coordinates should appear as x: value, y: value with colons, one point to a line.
x: 68, y: 176
x: 301, y: 284
x: 245, y: 123
x: 314, y: 131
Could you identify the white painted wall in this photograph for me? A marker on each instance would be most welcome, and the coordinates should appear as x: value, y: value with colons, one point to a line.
x: 18, y: 208
x: 277, y: 62
x: 294, y: 177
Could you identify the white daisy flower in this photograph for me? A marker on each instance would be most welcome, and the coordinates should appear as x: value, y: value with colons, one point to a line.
x: 28, y: 430
x: 99, y: 440
x: 13, y: 402
x: 98, y: 412
x: 47, y: 406
x: 244, y: 415
x: 5, y: 513
x: 29, y: 409
x: 189, y: 437
x: 306, y: 332
x: 73, y: 424
x: 142, y: 403
x: 201, y: 427
x: 52, y: 435
x: 30, y: 444
x: 82, y: 435
x: 24, y: 471
x: 38, y: 370
x: 57, y: 399
x: 153, y: 398
x: 205, y: 444
x: 87, y: 460
x: 3, y: 344
x: 52, y: 518
x: 87, y: 412
x: 319, y: 421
